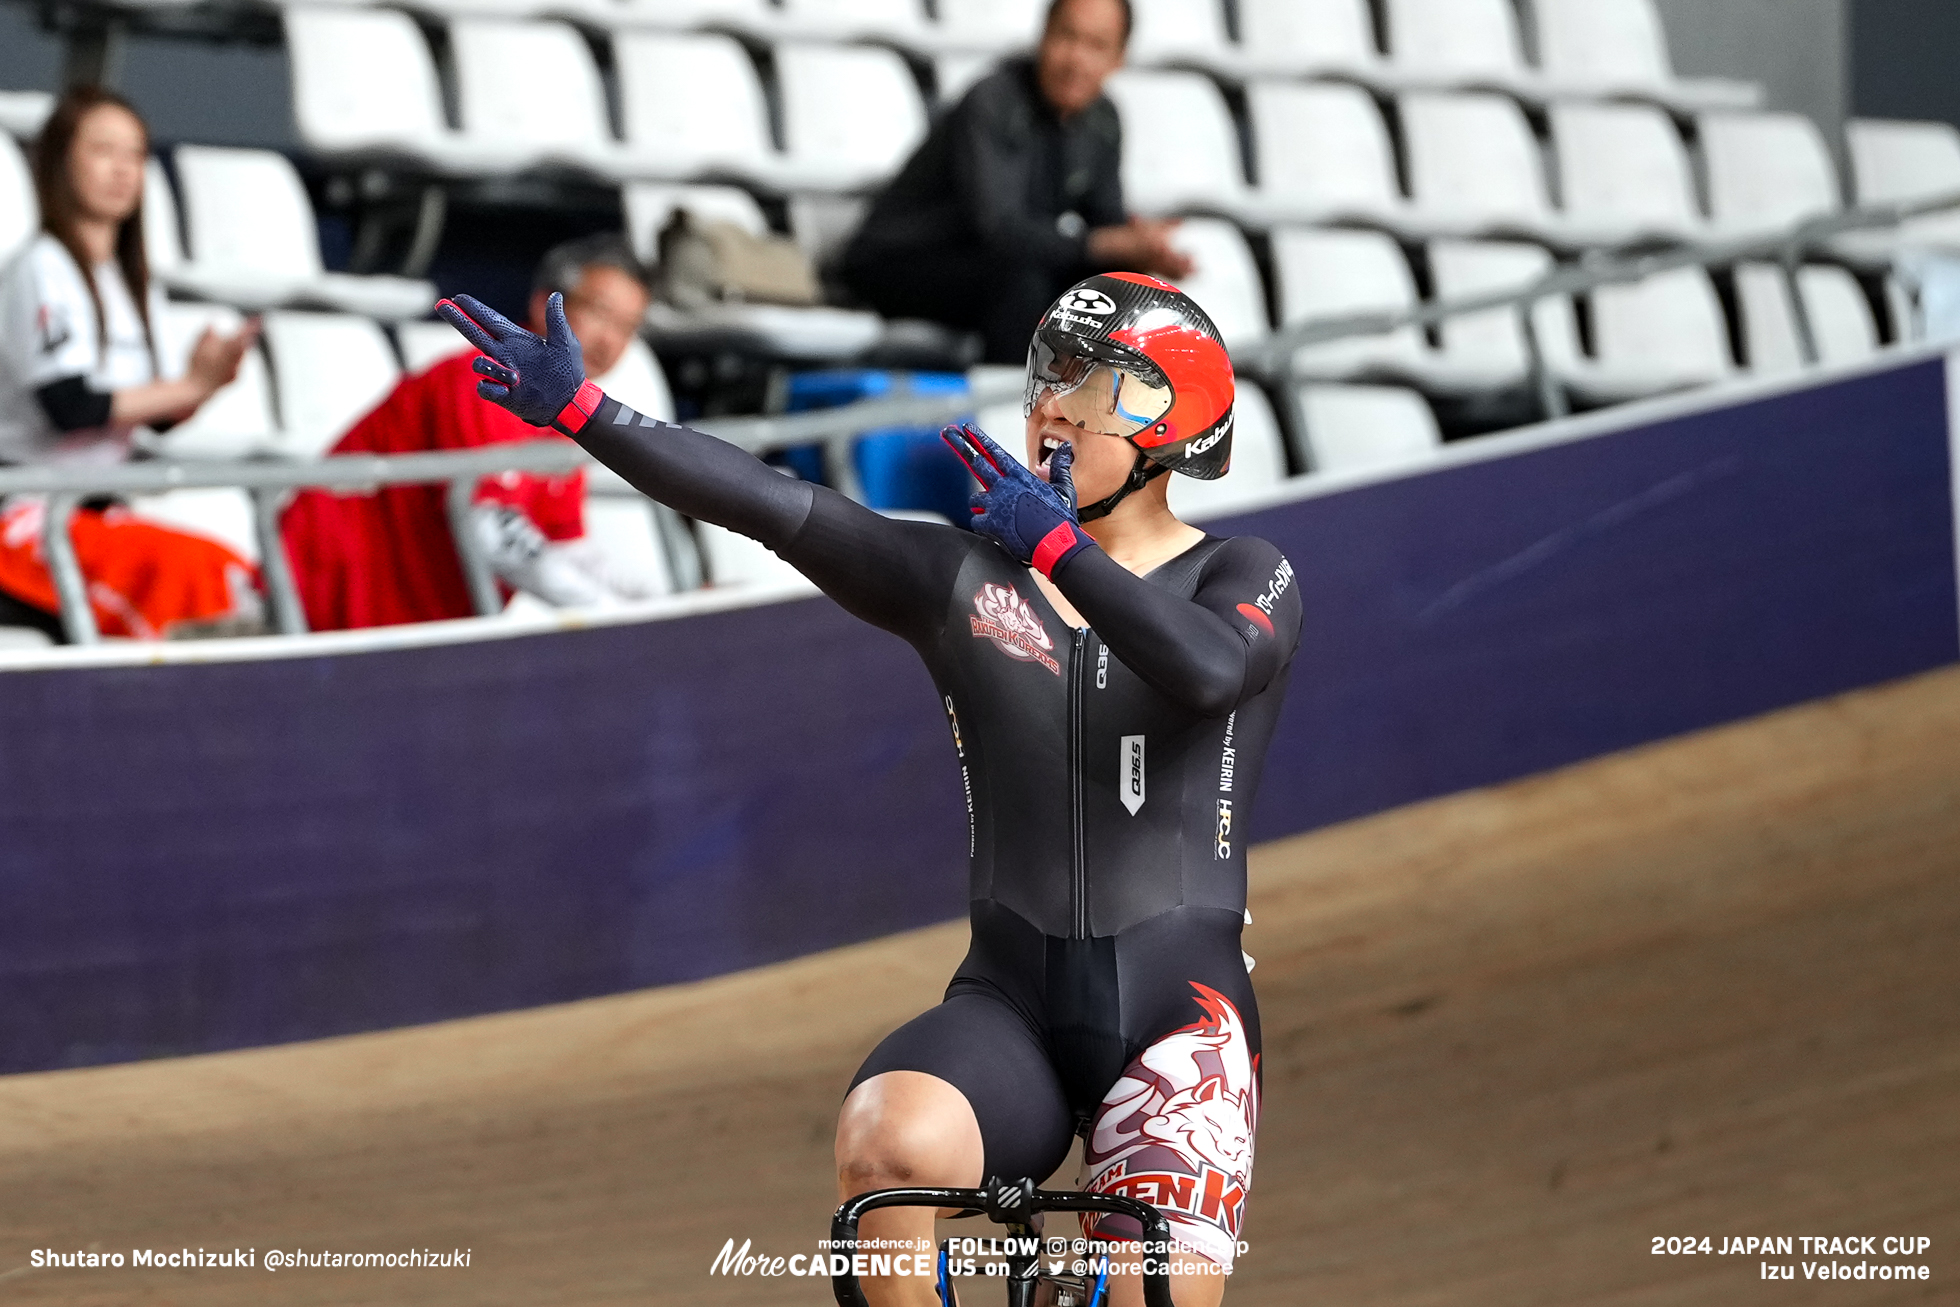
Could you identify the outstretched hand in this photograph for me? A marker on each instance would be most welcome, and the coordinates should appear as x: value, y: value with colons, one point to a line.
x: 1032, y: 519
x: 539, y: 378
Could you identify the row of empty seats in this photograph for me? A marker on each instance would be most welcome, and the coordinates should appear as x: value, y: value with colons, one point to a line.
x: 1582, y: 47
x: 366, y: 87
x: 1609, y: 174
x: 692, y: 105
x: 1665, y: 333
x: 254, y: 244
x: 367, y: 84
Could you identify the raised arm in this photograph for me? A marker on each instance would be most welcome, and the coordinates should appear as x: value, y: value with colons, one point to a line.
x: 881, y: 570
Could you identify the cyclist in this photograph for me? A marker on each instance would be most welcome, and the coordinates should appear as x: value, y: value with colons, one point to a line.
x: 1111, y: 678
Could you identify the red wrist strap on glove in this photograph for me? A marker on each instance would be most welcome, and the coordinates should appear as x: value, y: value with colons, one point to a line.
x: 572, y: 418
x: 1057, y: 547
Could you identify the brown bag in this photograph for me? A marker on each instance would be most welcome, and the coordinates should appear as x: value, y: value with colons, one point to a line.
x: 704, y: 262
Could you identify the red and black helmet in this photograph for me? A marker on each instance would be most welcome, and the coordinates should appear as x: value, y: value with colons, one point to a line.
x: 1157, y: 334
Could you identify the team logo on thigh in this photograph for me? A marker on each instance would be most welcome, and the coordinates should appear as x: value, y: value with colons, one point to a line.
x: 1176, y: 1131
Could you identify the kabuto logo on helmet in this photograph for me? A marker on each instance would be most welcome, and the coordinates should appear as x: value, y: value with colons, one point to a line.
x: 1092, y: 302
x: 1168, y: 349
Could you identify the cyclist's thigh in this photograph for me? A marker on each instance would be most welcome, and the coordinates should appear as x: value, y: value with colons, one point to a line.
x: 985, y: 1049
x: 1176, y: 1129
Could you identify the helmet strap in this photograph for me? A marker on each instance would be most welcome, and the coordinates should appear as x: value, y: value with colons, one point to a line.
x: 1142, y: 473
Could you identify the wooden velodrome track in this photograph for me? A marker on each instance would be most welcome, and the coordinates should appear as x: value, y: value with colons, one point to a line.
x: 1710, y: 987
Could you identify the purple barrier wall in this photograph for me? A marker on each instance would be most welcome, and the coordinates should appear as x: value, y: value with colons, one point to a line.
x: 199, y: 857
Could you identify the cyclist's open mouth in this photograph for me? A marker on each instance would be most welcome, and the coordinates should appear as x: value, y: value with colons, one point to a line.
x: 1049, y: 444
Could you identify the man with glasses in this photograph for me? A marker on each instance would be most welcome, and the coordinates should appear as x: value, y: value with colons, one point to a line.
x: 388, y: 557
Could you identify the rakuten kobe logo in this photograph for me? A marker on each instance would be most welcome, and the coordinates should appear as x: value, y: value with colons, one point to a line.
x: 1001, y: 615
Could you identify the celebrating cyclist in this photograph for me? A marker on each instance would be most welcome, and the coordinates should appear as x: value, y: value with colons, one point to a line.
x: 1111, y: 677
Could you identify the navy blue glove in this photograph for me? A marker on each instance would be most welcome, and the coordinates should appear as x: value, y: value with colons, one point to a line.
x: 1032, y: 519
x: 540, y: 379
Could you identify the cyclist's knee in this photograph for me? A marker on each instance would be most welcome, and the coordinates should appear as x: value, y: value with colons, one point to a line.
x: 905, y: 1127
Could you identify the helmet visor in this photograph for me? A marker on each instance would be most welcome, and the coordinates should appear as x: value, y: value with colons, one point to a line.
x: 1095, y: 395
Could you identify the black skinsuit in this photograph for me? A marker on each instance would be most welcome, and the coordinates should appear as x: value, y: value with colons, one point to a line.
x: 1110, y: 771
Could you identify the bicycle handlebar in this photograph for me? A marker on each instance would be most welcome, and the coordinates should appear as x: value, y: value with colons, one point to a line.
x: 1005, y: 1204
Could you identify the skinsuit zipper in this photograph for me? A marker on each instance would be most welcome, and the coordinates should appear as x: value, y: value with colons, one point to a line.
x: 1079, y: 872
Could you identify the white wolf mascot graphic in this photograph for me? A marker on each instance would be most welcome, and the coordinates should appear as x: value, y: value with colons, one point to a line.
x: 1176, y: 1130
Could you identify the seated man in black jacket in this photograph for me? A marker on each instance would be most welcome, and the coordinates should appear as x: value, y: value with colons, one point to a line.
x: 1015, y: 196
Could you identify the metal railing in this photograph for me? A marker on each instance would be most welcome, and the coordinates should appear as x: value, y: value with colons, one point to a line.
x: 267, y: 482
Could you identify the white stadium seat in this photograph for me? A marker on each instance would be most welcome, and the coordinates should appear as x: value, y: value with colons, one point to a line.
x: 753, y: 17
x: 1624, y: 173
x: 501, y: 67
x: 625, y: 530
x: 331, y: 369
x: 1331, y: 273
x: 1487, y: 351
x: 851, y: 114
x: 1840, y: 318
x: 691, y: 104
x: 1004, y: 421
x: 1258, y: 461
x: 422, y: 345
x: 625, y: 525
x: 254, y: 242
x: 992, y: 26
x: 1180, y: 148
x: 1323, y: 154
x: 1365, y: 428
x: 23, y: 112
x: 1180, y: 32
x: 898, y: 22
x: 636, y: 379
x: 1767, y: 172
x: 1898, y: 162
x: 1475, y: 167
x: 638, y: 382
x: 1665, y: 333
x: 1599, y: 48
x: 1469, y: 43
x: 163, y: 238
x: 365, y: 85
x: 1224, y: 279
x: 1309, y: 37
x: 735, y: 560
x: 239, y: 420
x: 20, y: 215
x: 953, y: 75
